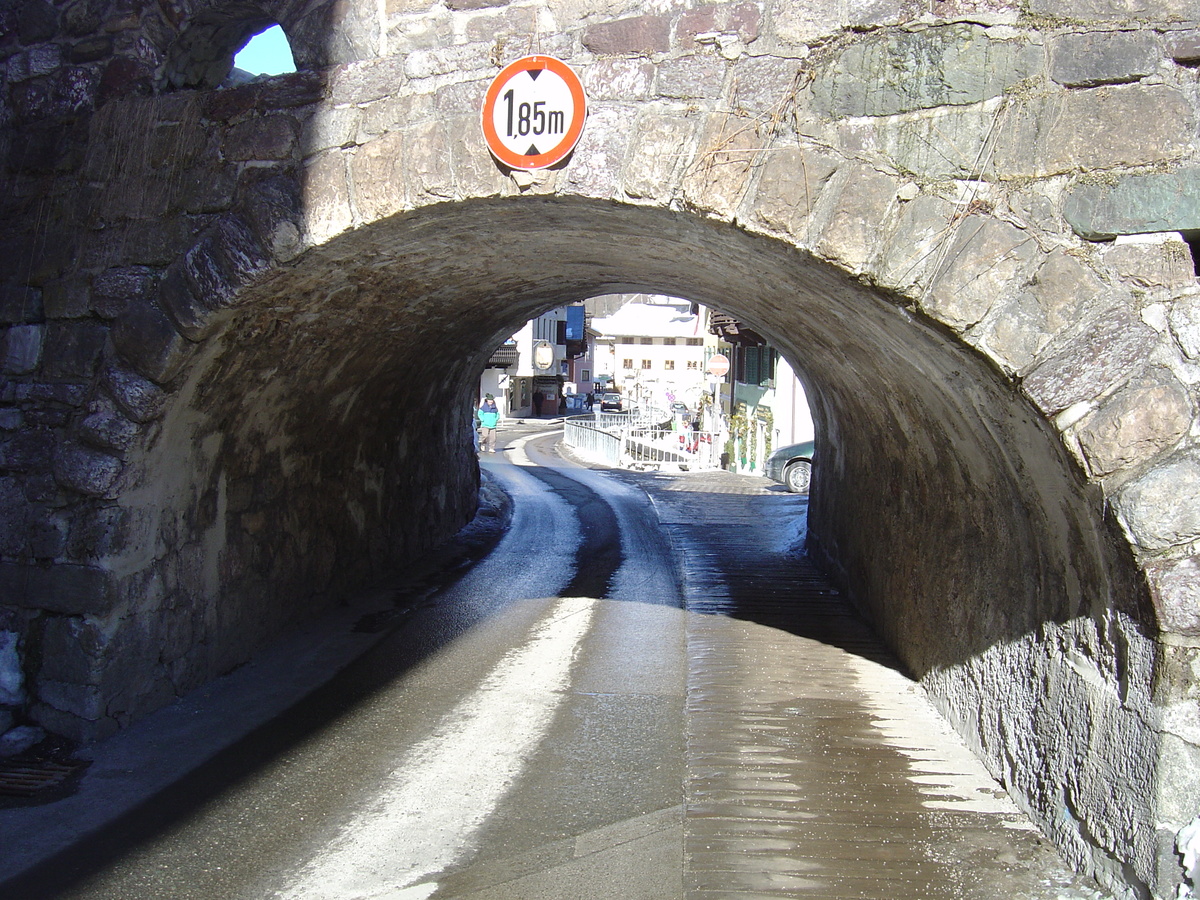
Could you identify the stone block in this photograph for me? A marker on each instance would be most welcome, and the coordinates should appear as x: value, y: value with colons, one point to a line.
x: 1184, y: 320
x: 718, y: 176
x: 513, y: 24
x: 1062, y: 287
x: 225, y: 258
x: 618, y: 79
x: 73, y: 349
x: 1136, y: 424
x: 897, y: 72
x: 45, y: 59
x: 147, y: 339
x: 12, y: 677
x: 125, y: 78
x: 178, y: 299
x: 921, y: 229
x: 365, y: 82
x: 691, y: 77
x: 1152, y: 260
x: 98, y: 532
x: 67, y: 298
x: 87, y: 471
x: 21, y: 349
x: 850, y: 236
x: 107, y: 429
x: 764, y: 86
x: 27, y: 451
x: 815, y: 20
x: 595, y: 167
x: 1135, y: 204
x: 229, y: 104
x: 330, y: 129
x: 742, y: 20
x: 1136, y: 11
x: 15, y: 515
x: 657, y: 153
x: 326, y: 196
x: 271, y: 137
x: 72, y: 650
x: 1092, y: 363
x: 138, y: 397
x: 986, y: 258
x: 271, y: 209
x: 20, y: 304
x: 1159, y: 509
x: 204, y: 189
x: 62, y: 588
x: 427, y: 148
x: 636, y: 35
x: 447, y: 60
x: 933, y: 145
x: 1103, y: 57
x: 1095, y: 129
x: 83, y: 700
x: 378, y: 170
x: 36, y: 21
x: 90, y: 49
x: 71, y: 726
x: 393, y: 114
x: 1184, y: 47
x: 288, y: 91
x: 791, y: 181
x: 47, y: 537
x: 1175, y: 588
x: 114, y: 288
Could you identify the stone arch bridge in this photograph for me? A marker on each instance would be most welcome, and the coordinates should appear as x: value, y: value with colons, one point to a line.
x: 240, y: 329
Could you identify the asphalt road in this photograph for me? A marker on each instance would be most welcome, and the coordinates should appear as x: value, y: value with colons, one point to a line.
x: 644, y: 692
x: 535, y: 701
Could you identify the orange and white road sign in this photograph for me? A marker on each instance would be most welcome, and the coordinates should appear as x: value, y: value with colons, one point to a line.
x: 533, y: 112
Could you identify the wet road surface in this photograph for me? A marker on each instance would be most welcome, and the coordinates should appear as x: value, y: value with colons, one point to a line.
x: 644, y: 692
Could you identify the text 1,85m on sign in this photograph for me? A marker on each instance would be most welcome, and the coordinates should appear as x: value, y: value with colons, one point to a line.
x: 533, y: 112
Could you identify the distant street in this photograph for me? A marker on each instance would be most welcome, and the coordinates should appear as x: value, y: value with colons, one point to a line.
x: 643, y: 692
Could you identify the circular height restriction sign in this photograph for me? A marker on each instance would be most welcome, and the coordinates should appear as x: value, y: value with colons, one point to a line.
x: 533, y: 112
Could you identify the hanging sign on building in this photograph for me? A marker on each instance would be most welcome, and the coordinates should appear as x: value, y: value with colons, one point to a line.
x: 533, y: 113
x: 543, y: 355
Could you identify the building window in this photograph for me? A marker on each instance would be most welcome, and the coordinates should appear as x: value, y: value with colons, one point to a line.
x: 695, y: 342
x: 668, y: 342
x: 693, y: 364
x: 628, y: 363
x: 586, y: 375
x: 646, y: 364
x: 647, y: 341
x: 669, y: 365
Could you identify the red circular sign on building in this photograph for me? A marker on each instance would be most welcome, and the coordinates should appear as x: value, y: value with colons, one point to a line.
x: 718, y: 365
x: 533, y: 112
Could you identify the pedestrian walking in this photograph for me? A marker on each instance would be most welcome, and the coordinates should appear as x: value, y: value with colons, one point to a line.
x: 489, y: 417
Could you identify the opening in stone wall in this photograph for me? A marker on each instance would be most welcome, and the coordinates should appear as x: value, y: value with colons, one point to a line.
x: 266, y: 53
x: 1192, y: 238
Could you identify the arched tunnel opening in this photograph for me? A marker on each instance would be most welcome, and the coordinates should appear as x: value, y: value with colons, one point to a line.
x: 321, y: 438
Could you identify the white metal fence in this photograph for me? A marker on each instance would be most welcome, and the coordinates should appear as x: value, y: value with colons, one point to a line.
x: 630, y: 439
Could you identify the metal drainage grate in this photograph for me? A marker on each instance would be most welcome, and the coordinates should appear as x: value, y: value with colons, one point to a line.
x: 28, y: 778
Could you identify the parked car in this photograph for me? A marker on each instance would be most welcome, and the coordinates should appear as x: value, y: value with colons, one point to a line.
x: 679, y: 409
x: 792, y: 466
x: 610, y: 403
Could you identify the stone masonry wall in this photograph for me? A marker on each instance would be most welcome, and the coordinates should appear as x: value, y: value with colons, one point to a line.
x: 226, y: 315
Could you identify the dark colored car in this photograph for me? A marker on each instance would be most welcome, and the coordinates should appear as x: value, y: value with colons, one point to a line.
x: 610, y: 403
x: 792, y: 466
